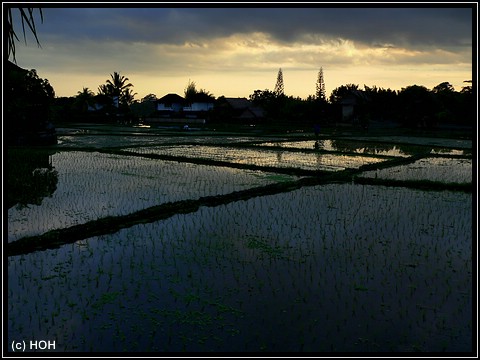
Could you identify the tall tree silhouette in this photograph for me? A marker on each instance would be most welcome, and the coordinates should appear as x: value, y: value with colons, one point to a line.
x: 279, y: 88
x: 320, y: 86
x: 190, y: 91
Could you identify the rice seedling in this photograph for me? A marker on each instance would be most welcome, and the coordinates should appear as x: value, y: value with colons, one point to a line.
x: 432, y: 169
x: 83, y: 193
x: 276, y: 263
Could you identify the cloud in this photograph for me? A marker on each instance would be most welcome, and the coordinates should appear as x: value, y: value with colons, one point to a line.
x: 441, y: 27
x: 206, y: 43
x: 334, y: 34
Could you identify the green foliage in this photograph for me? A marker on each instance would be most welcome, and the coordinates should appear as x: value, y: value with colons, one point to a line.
x: 27, y: 98
x: 119, y: 89
x: 417, y: 106
x: 192, y: 94
x: 320, y: 86
x: 267, y: 100
x: 290, y: 110
x: 190, y: 91
x: 279, y: 87
x: 84, y: 99
x: 144, y: 108
x: 117, y: 85
x: 149, y: 97
x: 341, y: 92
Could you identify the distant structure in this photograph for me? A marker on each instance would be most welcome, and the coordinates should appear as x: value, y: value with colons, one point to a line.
x: 240, y: 110
x: 279, y: 89
x: 320, y: 87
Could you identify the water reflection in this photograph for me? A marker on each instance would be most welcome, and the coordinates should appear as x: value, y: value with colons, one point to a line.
x: 367, y: 147
x: 279, y: 156
x: 200, y: 282
x: 319, y: 159
x: 31, y: 176
x: 263, y: 157
x: 379, y: 148
x: 446, y: 170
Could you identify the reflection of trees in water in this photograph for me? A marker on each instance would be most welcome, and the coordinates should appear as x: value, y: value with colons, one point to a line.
x: 279, y: 156
x: 378, y: 148
x: 31, y: 176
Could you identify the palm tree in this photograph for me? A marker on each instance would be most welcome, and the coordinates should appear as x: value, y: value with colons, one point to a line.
x: 85, y: 93
x: 104, y: 90
x: 118, y: 85
x: 127, y: 97
x: 84, y: 97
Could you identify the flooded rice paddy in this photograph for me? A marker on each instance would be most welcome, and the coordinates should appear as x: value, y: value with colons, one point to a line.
x: 446, y: 170
x: 274, y: 158
x: 329, y: 267
x: 93, y: 185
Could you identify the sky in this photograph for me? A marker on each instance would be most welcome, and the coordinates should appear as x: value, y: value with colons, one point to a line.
x: 233, y: 51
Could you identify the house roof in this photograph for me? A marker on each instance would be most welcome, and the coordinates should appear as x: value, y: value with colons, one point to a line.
x: 171, y: 99
x: 238, y: 103
x: 257, y: 111
x: 245, y: 108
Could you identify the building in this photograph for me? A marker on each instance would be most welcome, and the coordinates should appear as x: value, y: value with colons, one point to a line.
x: 175, y: 109
x: 352, y: 106
x: 201, y: 102
x: 240, y: 109
x: 169, y: 105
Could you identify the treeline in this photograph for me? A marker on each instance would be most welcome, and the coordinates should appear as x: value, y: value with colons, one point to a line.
x: 413, y: 106
x: 27, y: 100
x: 112, y: 102
x: 31, y: 102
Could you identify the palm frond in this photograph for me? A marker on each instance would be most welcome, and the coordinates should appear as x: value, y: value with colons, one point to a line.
x: 30, y: 21
x: 27, y: 17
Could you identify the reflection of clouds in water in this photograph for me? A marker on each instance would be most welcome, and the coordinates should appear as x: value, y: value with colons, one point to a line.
x: 407, y: 141
x: 258, y: 258
x: 94, y: 185
x: 434, y: 169
x: 263, y: 157
x: 451, y: 152
x: 362, y: 147
x: 99, y: 141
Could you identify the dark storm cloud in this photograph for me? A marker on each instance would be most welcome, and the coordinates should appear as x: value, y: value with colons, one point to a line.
x: 397, y: 27
x: 367, y: 25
